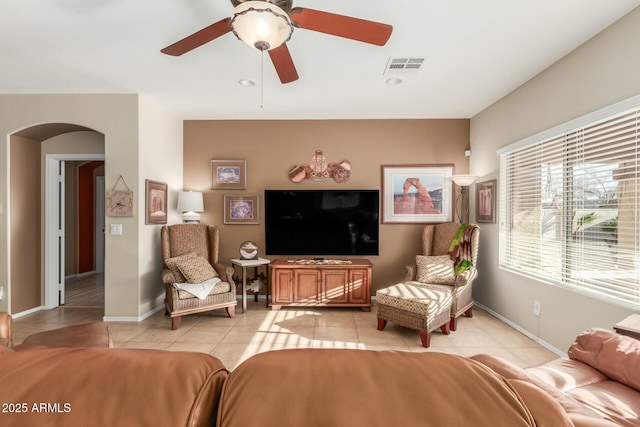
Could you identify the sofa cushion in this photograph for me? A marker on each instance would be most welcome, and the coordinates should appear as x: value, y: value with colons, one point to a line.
x: 172, y: 264
x: 614, y: 355
x: 435, y: 269
x: 514, y: 372
x: 566, y: 374
x: 611, y: 400
x: 111, y: 387
x: 373, y: 388
x: 196, y: 269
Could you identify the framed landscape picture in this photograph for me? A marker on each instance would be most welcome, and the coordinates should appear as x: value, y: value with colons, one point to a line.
x: 228, y: 174
x: 486, y: 201
x: 241, y: 209
x: 156, y: 202
x: 417, y: 193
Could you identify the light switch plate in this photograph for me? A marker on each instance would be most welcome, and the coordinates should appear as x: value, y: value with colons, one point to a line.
x: 116, y: 229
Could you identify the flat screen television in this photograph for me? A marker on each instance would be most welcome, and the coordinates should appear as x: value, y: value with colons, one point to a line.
x: 321, y: 222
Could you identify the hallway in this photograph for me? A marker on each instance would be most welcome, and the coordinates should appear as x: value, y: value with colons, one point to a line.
x: 85, y: 292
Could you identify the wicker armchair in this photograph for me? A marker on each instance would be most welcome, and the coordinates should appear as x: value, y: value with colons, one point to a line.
x: 436, y: 240
x: 202, y: 239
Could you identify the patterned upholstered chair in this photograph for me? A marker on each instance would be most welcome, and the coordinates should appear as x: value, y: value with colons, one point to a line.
x: 436, y: 240
x: 182, y: 242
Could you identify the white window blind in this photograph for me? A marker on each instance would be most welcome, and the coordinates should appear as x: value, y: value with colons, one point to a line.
x: 569, y: 211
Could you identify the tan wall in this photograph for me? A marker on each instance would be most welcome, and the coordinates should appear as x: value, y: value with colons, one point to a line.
x: 116, y: 117
x: 160, y: 160
x: 271, y: 148
x: 25, y: 224
x: 604, y: 70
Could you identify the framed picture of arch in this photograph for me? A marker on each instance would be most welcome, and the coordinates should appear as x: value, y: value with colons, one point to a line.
x: 417, y: 193
x: 156, y: 202
x: 486, y: 201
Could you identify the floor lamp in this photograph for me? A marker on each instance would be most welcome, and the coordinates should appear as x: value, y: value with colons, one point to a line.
x: 462, y: 199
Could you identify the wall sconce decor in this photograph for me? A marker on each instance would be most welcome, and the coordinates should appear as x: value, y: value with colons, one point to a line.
x: 320, y: 169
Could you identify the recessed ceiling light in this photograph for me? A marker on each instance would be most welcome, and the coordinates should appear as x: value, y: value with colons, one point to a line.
x: 394, y: 81
x: 247, y: 82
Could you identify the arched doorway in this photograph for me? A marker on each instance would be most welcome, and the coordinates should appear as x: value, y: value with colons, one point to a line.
x: 37, y: 155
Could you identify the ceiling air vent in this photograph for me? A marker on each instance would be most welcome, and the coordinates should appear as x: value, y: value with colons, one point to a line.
x: 404, y: 65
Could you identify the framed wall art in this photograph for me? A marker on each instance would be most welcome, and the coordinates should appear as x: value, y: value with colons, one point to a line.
x: 241, y: 209
x: 486, y: 201
x: 417, y: 193
x: 119, y: 203
x: 156, y: 202
x: 228, y: 174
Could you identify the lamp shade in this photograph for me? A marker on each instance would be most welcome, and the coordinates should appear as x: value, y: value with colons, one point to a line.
x: 261, y: 25
x: 190, y: 201
x: 464, y: 180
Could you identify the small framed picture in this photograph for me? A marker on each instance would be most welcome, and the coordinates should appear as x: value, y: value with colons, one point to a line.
x: 486, y: 201
x: 417, y: 193
x: 241, y: 209
x: 156, y: 202
x: 228, y: 174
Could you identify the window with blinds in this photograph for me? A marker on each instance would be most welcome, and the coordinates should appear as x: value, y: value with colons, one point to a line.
x: 569, y: 211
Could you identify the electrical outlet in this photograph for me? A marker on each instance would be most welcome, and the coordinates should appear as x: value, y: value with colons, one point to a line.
x: 116, y: 229
x: 536, y: 308
x: 1, y: 293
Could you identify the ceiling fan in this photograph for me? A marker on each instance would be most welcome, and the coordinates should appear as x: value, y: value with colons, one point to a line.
x: 268, y: 25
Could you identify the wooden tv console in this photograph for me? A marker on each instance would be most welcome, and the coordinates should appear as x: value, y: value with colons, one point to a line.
x: 295, y: 283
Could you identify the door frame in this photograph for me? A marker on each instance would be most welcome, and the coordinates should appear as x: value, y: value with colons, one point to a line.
x: 52, y: 205
x: 99, y: 223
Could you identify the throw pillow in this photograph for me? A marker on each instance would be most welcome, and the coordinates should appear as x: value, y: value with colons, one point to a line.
x: 172, y: 264
x: 197, y: 269
x: 435, y: 269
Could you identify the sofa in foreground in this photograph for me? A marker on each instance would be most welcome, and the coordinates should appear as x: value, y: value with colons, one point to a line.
x: 43, y: 386
x: 598, y: 384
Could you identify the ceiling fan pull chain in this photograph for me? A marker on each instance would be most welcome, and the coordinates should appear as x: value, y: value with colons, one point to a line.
x: 262, y: 79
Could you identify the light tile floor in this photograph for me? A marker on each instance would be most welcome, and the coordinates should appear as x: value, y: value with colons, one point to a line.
x: 232, y: 340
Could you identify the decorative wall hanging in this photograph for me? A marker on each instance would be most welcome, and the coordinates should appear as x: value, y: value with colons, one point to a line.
x: 417, y: 193
x: 320, y: 169
x: 119, y: 202
x: 156, y: 202
x: 241, y: 209
x: 486, y: 201
x: 228, y: 174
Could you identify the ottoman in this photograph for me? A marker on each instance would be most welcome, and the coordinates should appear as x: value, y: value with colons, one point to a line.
x: 416, y: 308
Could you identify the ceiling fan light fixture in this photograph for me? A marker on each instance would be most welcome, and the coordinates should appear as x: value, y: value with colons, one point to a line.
x: 261, y: 25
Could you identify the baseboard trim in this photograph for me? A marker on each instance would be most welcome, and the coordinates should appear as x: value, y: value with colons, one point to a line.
x: 523, y: 331
x: 27, y: 312
x: 132, y: 318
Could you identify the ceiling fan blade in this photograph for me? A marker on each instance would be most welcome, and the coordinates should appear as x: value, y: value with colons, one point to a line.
x: 199, y: 38
x: 283, y: 63
x: 341, y: 26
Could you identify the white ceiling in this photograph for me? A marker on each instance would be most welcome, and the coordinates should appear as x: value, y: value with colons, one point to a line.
x: 476, y: 52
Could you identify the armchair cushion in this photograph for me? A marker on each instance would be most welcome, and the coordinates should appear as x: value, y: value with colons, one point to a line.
x: 196, y: 269
x: 435, y: 269
x: 172, y: 265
